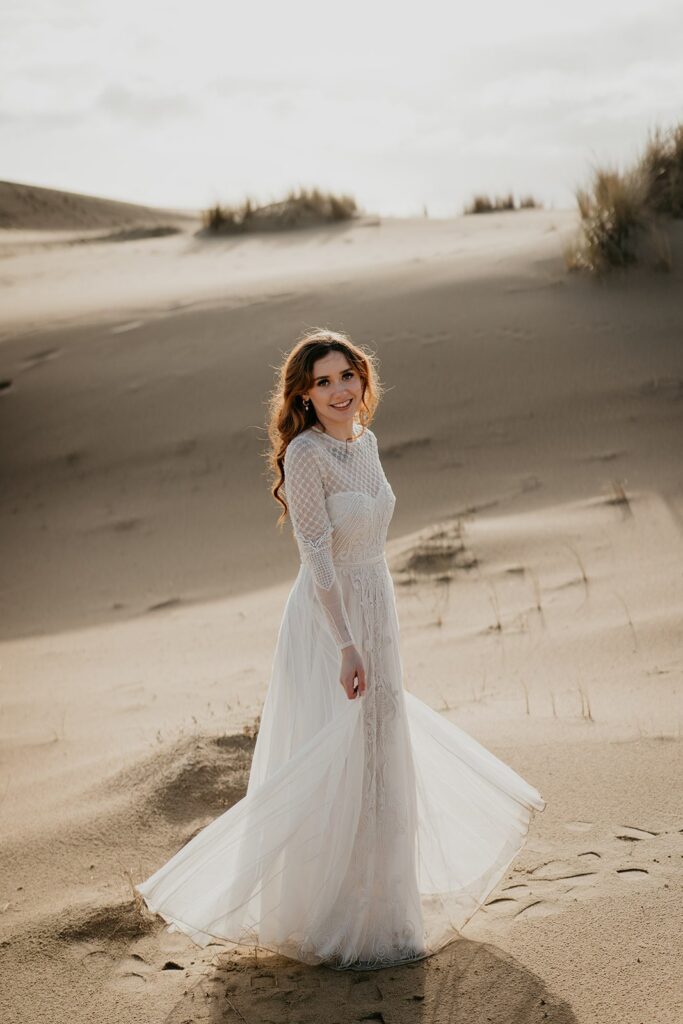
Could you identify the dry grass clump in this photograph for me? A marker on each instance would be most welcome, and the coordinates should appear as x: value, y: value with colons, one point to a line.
x: 662, y: 164
x: 620, y: 210
x: 613, y: 215
x: 302, y: 208
x: 483, y: 204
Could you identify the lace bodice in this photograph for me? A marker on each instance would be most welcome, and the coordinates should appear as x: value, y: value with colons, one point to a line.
x: 340, y: 504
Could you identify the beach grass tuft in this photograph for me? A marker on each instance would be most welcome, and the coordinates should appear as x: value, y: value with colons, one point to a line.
x: 484, y: 204
x: 621, y: 210
x: 300, y: 208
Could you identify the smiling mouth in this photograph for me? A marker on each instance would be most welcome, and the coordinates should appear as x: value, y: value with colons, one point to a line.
x: 342, y: 405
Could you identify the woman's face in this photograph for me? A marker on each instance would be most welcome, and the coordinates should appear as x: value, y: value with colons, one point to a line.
x: 335, y: 382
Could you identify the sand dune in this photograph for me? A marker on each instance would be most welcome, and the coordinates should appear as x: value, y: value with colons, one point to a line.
x: 31, y: 208
x: 531, y: 432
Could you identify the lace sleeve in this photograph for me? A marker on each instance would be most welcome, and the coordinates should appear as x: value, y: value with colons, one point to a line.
x: 313, y: 532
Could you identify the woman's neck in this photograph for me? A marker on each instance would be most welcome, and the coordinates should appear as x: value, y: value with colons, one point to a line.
x: 342, y: 432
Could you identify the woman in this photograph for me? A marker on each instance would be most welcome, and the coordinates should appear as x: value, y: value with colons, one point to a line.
x: 372, y: 827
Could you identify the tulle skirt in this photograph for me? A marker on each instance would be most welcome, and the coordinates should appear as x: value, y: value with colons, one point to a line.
x: 371, y: 829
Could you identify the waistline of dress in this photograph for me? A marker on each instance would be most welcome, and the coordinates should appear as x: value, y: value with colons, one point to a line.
x: 343, y: 564
x: 372, y: 560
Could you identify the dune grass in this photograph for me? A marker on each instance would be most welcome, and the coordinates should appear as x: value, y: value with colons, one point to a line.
x: 621, y: 210
x: 302, y: 208
x: 483, y: 204
x: 662, y: 163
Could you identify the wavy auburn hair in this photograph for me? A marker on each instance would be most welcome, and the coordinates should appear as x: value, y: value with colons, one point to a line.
x: 287, y: 414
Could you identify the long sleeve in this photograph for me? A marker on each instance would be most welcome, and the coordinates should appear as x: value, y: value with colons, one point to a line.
x: 313, y: 532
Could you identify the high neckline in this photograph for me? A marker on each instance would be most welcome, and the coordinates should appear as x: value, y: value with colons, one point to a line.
x: 335, y: 440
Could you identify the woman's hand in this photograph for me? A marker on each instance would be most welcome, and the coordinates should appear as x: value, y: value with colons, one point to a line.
x: 352, y: 675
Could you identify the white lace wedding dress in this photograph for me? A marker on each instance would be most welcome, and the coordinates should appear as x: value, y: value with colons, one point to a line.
x: 372, y: 829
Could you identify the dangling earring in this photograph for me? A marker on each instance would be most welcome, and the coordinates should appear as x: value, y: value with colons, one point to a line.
x: 306, y: 402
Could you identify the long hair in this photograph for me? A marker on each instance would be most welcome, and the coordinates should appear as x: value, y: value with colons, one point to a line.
x: 287, y: 414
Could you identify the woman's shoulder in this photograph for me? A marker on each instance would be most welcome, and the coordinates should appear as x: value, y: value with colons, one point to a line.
x: 301, y: 449
x: 301, y: 441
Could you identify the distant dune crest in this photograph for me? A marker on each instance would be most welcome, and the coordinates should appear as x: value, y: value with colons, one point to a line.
x: 30, y: 207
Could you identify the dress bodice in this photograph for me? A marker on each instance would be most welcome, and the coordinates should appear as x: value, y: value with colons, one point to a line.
x: 341, y: 504
x: 358, y: 496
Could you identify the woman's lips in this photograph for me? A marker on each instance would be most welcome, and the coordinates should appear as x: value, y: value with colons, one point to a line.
x: 342, y: 405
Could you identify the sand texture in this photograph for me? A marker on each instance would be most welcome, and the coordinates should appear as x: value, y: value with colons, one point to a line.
x: 532, y: 431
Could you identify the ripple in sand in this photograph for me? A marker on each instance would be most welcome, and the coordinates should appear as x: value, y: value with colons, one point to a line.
x: 160, y: 606
x: 124, y: 328
x: 399, y: 448
x: 38, y: 358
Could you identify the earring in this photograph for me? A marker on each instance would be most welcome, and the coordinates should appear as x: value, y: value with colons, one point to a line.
x: 306, y: 402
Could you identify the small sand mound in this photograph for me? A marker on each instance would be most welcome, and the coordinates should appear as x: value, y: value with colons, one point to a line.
x: 197, y: 777
x: 436, y: 555
x: 107, y: 923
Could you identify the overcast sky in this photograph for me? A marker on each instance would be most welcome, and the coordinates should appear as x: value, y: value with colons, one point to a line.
x: 402, y: 105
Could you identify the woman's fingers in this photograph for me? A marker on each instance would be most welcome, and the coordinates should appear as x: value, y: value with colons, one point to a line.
x: 353, y: 680
x: 350, y: 688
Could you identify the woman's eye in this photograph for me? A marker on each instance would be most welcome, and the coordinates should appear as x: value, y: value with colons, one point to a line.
x: 346, y: 374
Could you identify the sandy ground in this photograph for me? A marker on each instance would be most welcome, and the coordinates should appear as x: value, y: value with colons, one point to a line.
x: 531, y: 431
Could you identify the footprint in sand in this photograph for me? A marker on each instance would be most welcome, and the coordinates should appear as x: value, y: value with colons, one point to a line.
x: 556, y: 883
x: 262, y: 980
x: 633, y: 834
x: 363, y: 990
x: 539, y: 908
x: 502, y: 907
x: 132, y: 973
x: 505, y: 908
x: 560, y: 871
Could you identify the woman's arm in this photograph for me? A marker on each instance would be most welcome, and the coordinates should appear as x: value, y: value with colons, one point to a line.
x: 313, y: 532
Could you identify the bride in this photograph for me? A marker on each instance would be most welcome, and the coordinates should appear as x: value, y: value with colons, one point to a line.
x: 372, y: 827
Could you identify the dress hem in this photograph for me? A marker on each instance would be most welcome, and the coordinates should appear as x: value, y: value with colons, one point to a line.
x: 185, y: 927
